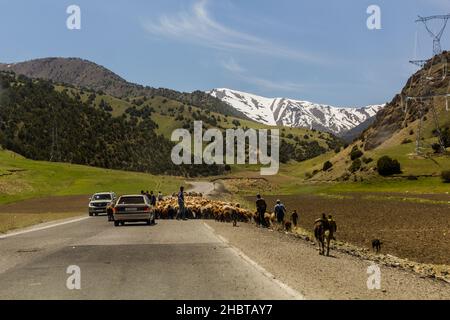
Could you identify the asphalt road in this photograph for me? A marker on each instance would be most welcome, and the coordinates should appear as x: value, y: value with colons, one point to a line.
x: 171, y: 260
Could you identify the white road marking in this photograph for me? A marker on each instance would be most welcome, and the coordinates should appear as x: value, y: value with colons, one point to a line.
x: 294, y: 293
x: 37, y: 228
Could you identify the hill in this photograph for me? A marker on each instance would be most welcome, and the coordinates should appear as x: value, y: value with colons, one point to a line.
x: 431, y: 81
x: 86, y: 74
x: 21, y: 178
x: 394, y: 133
x: 42, y: 123
x: 297, y: 144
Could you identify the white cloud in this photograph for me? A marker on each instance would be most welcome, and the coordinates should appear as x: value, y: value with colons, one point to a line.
x: 232, y: 65
x: 199, y: 27
x: 238, y: 71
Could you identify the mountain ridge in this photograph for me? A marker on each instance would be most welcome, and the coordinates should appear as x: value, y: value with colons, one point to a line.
x: 84, y: 73
x: 296, y: 113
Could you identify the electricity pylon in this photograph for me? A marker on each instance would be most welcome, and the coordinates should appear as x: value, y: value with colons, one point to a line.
x: 436, y: 36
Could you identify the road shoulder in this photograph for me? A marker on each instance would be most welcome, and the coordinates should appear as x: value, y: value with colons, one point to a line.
x: 341, y: 276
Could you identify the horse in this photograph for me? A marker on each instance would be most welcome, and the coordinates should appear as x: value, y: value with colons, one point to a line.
x: 323, y: 234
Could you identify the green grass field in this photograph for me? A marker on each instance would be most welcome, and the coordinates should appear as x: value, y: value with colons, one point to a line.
x: 21, y: 179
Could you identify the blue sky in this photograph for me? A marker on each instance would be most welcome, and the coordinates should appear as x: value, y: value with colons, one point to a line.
x: 318, y: 50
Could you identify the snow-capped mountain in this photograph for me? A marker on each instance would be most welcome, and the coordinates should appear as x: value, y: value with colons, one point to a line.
x: 295, y: 113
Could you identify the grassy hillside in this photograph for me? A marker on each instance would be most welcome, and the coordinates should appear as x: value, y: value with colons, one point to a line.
x: 21, y: 179
x: 42, y: 122
x: 298, y: 144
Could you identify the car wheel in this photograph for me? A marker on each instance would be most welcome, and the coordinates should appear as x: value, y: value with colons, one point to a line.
x: 90, y: 214
x: 116, y: 223
x: 122, y: 223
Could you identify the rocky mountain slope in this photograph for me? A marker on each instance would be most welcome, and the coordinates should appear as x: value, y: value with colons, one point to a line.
x: 428, y: 86
x: 295, y: 113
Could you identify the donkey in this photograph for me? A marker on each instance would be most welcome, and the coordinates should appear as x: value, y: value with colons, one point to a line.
x: 323, y: 234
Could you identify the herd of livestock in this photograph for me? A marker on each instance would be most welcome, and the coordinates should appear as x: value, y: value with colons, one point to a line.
x: 198, y: 207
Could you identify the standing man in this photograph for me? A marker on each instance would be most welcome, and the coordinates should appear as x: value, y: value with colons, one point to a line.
x: 333, y: 226
x: 294, y: 217
x: 181, y: 203
x: 152, y: 199
x: 261, y: 207
x: 280, y: 210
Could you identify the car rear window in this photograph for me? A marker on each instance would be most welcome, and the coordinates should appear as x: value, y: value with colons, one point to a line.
x: 132, y: 200
x: 101, y: 197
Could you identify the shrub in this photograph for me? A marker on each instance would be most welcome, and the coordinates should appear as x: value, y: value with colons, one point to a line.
x: 356, y: 165
x: 445, y: 175
x: 355, y: 153
x: 327, y: 165
x: 406, y: 141
x: 387, y: 166
x: 367, y: 160
x: 337, y: 149
x: 436, y: 147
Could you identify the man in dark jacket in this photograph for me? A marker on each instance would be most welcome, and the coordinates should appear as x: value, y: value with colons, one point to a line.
x: 261, y: 207
x: 181, y: 204
x: 152, y: 199
x: 294, y: 217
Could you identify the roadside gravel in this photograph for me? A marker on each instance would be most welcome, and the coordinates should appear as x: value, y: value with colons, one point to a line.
x: 297, y: 263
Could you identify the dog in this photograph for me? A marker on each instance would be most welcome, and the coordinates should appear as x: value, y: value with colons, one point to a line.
x: 376, y: 245
x: 288, y: 226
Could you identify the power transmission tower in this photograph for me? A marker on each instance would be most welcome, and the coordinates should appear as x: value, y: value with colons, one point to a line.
x: 421, y: 112
x: 419, y: 63
x: 54, y: 149
x: 436, y: 36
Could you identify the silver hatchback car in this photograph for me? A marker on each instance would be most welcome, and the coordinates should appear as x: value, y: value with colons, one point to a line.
x: 133, y: 208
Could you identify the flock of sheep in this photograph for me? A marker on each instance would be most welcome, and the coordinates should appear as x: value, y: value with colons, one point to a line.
x: 198, y: 207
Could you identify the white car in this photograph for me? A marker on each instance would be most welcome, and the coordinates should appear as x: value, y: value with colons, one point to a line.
x: 133, y: 208
x: 99, y: 202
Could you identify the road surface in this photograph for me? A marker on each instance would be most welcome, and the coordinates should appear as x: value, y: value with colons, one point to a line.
x: 171, y: 260
x: 188, y: 260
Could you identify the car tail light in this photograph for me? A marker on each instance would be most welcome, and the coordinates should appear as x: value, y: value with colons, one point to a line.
x: 146, y: 208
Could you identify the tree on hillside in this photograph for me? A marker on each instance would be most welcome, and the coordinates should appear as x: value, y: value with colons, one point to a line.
x: 387, y: 166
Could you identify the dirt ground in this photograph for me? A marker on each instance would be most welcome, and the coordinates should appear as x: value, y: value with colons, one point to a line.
x: 416, y: 231
x: 48, y: 204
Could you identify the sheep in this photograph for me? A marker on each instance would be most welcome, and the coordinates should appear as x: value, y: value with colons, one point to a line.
x: 198, y: 207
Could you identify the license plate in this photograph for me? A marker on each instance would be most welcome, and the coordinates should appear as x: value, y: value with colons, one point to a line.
x: 130, y: 209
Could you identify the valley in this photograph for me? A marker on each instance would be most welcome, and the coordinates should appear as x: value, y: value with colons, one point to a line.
x: 126, y: 145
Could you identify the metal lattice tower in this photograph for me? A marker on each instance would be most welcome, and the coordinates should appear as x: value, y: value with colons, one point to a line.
x: 436, y: 36
x: 419, y: 63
